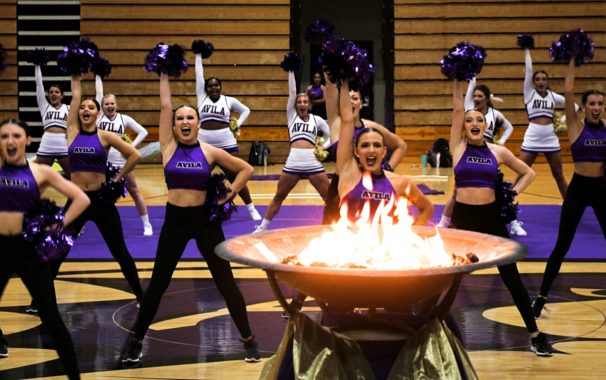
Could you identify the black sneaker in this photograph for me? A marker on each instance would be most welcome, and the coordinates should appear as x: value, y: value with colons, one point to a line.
x: 3, y: 346
x: 32, y: 309
x: 133, y: 353
x: 541, y: 346
x: 250, y: 346
x: 537, y: 306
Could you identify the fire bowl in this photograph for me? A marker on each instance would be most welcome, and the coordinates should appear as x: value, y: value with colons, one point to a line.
x: 366, y: 288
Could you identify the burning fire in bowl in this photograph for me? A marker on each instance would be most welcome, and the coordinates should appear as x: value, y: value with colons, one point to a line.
x: 355, y: 286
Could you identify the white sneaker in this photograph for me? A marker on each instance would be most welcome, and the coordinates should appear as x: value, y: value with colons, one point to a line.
x: 259, y: 229
x: 147, y: 229
x: 517, y: 230
x: 254, y: 214
x: 442, y: 225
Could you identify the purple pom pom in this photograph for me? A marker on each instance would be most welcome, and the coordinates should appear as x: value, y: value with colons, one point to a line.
x: 575, y: 44
x: 43, y: 227
x: 111, y: 190
x: 2, y: 58
x: 292, y: 62
x: 77, y: 57
x: 217, y: 191
x: 101, y: 67
x: 505, y: 197
x: 318, y: 31
x: 202, y: 47
x: 525, y: 41
x: 167, y: 59
x: 343, y: 59
x: 38, y: 56
x: 463, y: 62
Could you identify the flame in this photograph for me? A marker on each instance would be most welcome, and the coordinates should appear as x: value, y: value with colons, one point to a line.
x: 378, y: 243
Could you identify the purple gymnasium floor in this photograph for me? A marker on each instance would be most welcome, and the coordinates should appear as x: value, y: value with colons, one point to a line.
x: 540, y: 221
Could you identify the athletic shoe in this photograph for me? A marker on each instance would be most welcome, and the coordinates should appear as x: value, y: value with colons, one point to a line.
x: 3, y: 346
x: 537, y: 306
x: 250, y: 346
x: 516, y: 229
x: 147, y: 229
x: 254, y: 214
x: 32, y: 309
x: 442, y: 225
x: 133, y: 353
x: 541, y: 346
x: 259, y: 228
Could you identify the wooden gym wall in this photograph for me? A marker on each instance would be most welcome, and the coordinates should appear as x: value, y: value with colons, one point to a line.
x: 251, y: 36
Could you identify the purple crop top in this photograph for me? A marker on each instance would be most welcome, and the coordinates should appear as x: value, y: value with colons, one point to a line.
x: 187, y: 168
x: 315, y: 92
x: 86, y: 154
x: 382, y: 190
x: 590, y: 146
x: 477, y: 168
x: 19, y: 190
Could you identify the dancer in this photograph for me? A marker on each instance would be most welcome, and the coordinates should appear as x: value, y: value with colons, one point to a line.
x: 395, y: 145
x: 315, y: 91
x: 479, y: 97
x: 187, y: 217
x: 88, y: 149
x: 21, y: 184
x: 215, y: 110
x: 53, y: 144
x: 476, y: 165
x: 113, y: 121
x: 303, y: 129
x: 362, y: 154
x: 588, y: 187
x: 540, y: 137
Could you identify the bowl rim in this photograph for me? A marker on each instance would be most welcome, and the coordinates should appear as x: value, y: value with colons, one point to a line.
x: 518, y: 252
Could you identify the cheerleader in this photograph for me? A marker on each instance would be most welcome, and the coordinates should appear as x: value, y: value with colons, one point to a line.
x: 113, y: 121
x: 21, y: 184
x: 315, y: 91
x: 187, y: 217
x: 303, y: 130
x: 53, y: 145
x: 588, y: 187
x: 395, y: 145
x: 88, y: 147
x: 476, y: 165
x: 540, y: 137
x: 480, y: 98
x: 215, y: 110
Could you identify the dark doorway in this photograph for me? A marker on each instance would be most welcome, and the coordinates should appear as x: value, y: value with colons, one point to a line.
x: 368, y: 24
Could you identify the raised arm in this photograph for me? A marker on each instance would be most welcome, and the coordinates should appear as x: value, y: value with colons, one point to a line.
x: 99, y: 90
x: 200, y: 83
x: 141, y: 132
x: 165, y: 133
x: 528, y: 85
x: 458, y: 115
x: 291, y: 111
x: 572, y: 119
x: 73, y: 122
x: 331, y: 96
x: 505, y: 124
x: 236, y: 106
x: 469, y: 95
x: 40, y: 93
x: 395, y: 144
x: 346, y: 135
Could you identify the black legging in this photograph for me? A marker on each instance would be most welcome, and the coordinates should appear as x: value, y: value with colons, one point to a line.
x: 107, y: 219
x: 331, y: 207
x: 181, y: 224
x: 18, y: 256
x: 485, y: 219
x: 582, y: 192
